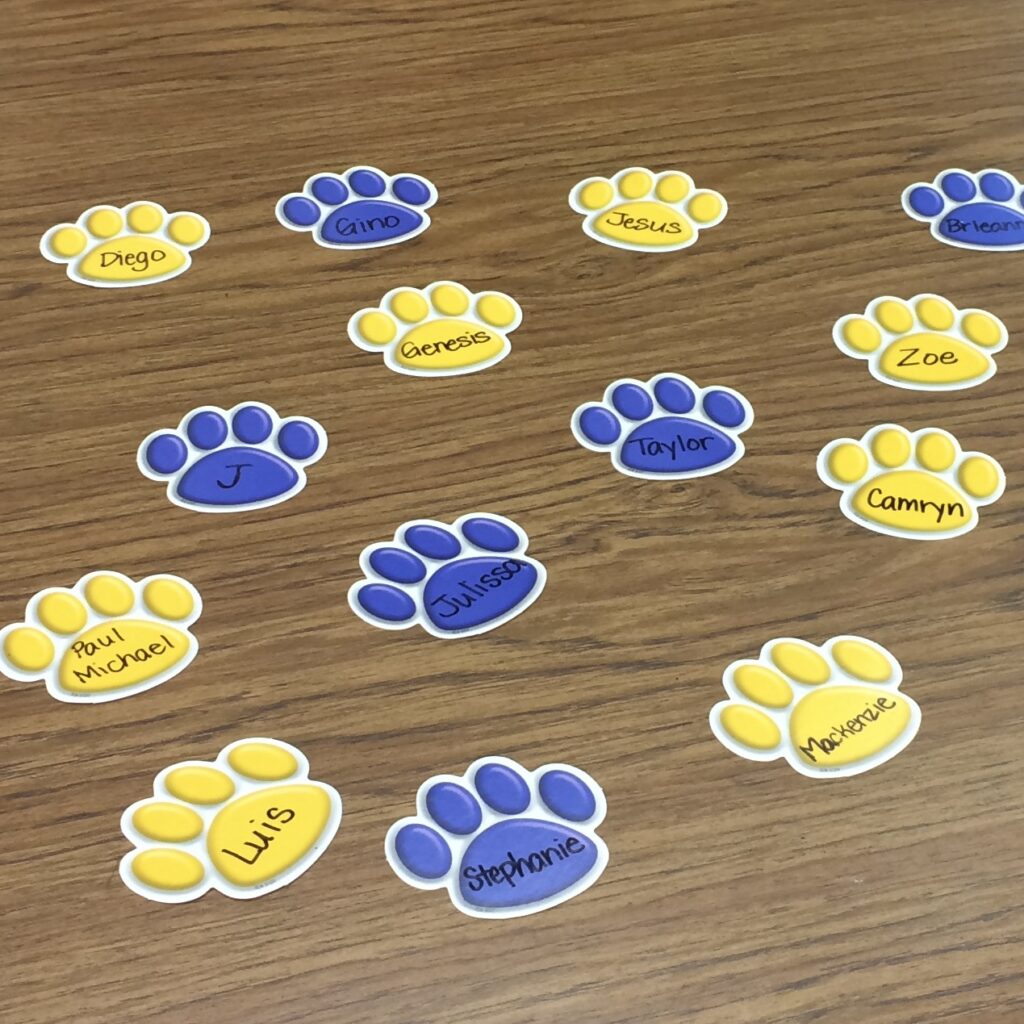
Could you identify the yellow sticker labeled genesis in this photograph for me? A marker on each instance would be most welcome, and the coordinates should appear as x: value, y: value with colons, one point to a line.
x: 842, y: 717
x: 245, y: 825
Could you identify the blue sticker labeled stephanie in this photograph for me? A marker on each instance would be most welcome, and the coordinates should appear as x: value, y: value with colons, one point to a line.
x: 667, y: 428
x: 454, y: 581
x: 503, y: 841
x: 971, y: 211
x: 361, y: 208
x: 233, y: 460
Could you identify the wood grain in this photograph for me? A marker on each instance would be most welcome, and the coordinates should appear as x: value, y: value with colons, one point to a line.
x: 737, y: 893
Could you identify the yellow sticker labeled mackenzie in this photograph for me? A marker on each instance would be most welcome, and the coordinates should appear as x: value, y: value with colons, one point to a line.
x: 921, y: 486
x: 108, y: 637
x: 245, y: 825
x: 843, y: 717
x: 443, y: 330
x: 924, y: 343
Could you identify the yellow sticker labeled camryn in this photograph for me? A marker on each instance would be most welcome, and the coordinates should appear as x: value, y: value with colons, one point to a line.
x: 444, y: 330
x: 921, y: 486
x: 923, y: 344
x: 829, y: 711
x: 107, y: 637
x: 246, y: 824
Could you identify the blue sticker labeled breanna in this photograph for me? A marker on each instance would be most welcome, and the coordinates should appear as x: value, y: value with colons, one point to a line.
x: 233, y: 460
x: 971, y: 211
x: 503, y: 841
x: 453, y: 581
x: 666, y: 428
x: 361, y: 208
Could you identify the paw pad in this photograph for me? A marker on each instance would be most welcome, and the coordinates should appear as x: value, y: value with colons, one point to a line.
x: 503, y: 841
x: 235, y: 460
x: 646, y: 212
x: 926, y: 344
x: 453, y: 581
x: 246, y: 824
x: 106, y: 638
x: 359, y: 209
x: 138, y: 244
x: 829, y: 711
x: 920, y: 486
x: 442, y: 331
x: 971, y: 211
x: 666, y: 429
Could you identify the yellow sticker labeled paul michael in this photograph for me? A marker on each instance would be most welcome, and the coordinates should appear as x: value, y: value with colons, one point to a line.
x: 924, y: 344
x: 126, y: 247
x: 830, y: 711
x: 246, y: 824
x: 646, y: 211
x: 107, y: 637
x: 920, y: 485
x: 444, y: 330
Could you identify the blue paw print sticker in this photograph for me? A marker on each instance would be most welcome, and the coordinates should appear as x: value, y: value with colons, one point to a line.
x: 453, y: 581
x: 503, y: 841
x: 235, y: 460
x: 971, y: 211
x: 360, y: 209
x: 666, y: 429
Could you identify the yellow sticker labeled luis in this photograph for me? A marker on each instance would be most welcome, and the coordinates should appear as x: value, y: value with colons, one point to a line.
x: 107, y: 637
x: 921, y: 485
x: 246, y: 824
x: 444, y: 330
x: 923, y: 344
x: 829, y: 711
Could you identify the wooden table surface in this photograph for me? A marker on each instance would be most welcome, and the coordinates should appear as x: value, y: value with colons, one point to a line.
x: 736, y: 892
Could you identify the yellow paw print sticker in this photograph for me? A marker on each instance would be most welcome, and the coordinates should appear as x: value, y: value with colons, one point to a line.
x: 920, y: 486
x: 245, y: 825
x: 829, y: 711
x: 646, y: 212
x: 138, y: 244
x: 442, y: 331
x: 106, y: 638
x: 926, y: 344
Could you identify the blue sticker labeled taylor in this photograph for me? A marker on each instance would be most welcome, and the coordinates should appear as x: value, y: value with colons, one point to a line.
x: 233, y: 460
x: 665, y: 429
x: 361, y: 208
x: 503, y: 841
x: 454, y: 581
x: 971, y: 211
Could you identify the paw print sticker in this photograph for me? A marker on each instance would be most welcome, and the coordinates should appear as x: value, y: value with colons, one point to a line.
x: 453, y: 581
x: 926, y: 344
x: 138, y: 244
x: 666, y: 429
x: 361, y: 208
x: 830, y: 712
x: 646, y: 212
x: 235, y: 460
x: 246, y: 824
x: 107, y: 637
x: 971, y: 211
x: 503, y: 841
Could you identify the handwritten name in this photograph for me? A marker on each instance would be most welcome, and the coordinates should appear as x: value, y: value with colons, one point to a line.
x: 897, y: 503
x: 668, y: 227
x: 473, y: 592
x: 344, y: 226
x: 517, y: 868
x: 138, y: 261
x: 928, y: 359
x: 274, y: 814
x: 432, y: 348
x: 82, y: 649
x: 674, y: 449
x: 954, y: 225
x: 838, y: 734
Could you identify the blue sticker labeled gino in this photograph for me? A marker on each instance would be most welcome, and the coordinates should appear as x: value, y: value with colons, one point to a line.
x: 453, y: 581
x: 361, y: 208
x: 666, y: 428
x: 503, y: 841
x: 233, y: 460
x: 971, y: 211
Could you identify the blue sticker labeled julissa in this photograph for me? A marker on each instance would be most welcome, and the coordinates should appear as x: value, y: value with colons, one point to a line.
x: 665, y: 429
x: 453, y: 581
x: 233, y: 460
x: 504, y: 841
x: 359, y: 209
x: 971, y: 211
